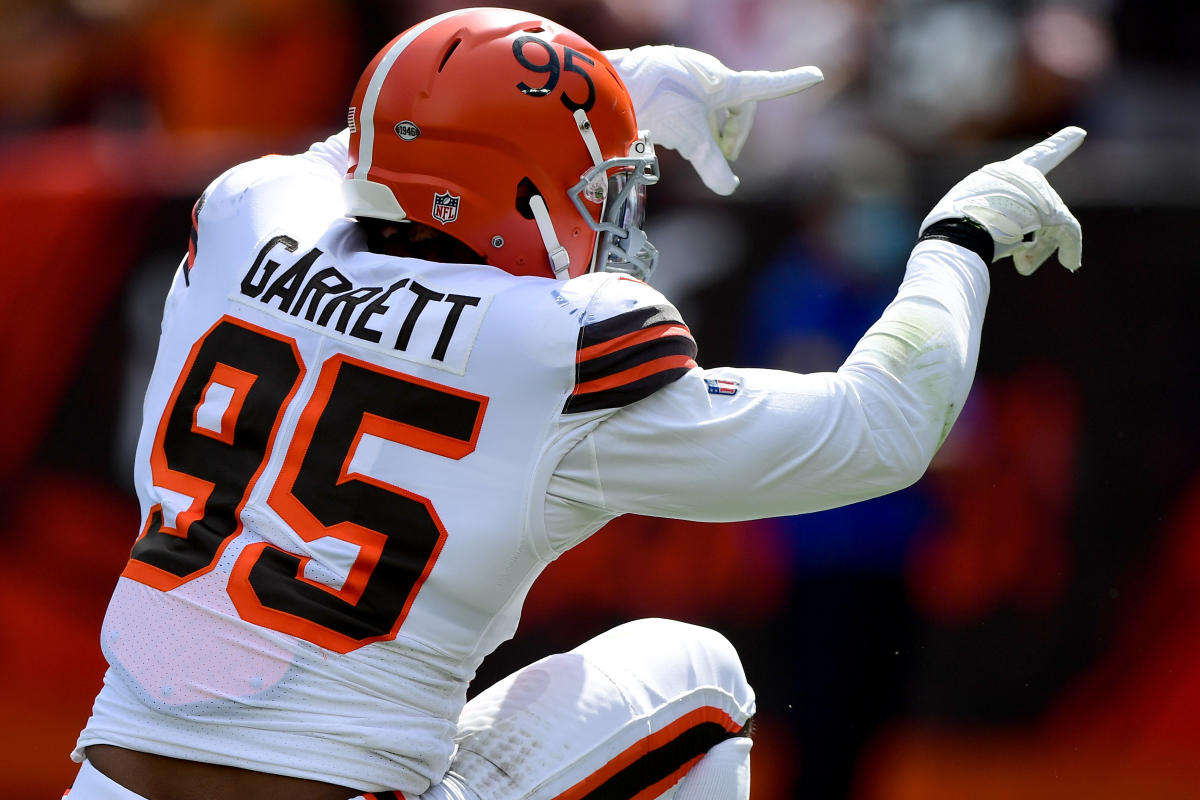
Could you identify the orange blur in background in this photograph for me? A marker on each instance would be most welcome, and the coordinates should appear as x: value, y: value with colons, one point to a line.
x: 1025, y: 622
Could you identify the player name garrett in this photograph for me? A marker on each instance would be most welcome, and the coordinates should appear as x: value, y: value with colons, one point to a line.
x: 404, y: 317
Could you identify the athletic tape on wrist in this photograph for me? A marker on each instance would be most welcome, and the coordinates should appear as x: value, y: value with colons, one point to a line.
x: 965, y: 233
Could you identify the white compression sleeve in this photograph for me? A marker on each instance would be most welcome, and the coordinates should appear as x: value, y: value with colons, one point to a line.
x: 781, y: 443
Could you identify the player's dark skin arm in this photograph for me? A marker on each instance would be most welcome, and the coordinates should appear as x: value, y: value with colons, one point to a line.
x: 161, y: 778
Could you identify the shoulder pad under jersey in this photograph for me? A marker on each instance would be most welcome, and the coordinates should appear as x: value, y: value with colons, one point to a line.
x: 297, y: 192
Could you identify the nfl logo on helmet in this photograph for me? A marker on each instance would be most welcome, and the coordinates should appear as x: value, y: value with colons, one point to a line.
x: 445, y: 207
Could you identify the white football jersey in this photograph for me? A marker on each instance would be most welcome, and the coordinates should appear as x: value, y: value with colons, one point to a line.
x: 342, y: 474
x: 353, y: 466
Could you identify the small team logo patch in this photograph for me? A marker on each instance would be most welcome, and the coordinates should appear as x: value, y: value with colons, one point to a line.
x: 407, y: 130
x: 718, y: 386
x: 350, y: 123
x: 445, y: 207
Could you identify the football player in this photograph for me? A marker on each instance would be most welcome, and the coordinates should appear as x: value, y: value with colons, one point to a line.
x: 403, y: 371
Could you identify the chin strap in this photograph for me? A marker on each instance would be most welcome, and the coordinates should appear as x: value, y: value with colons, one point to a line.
x: 589, y: 136
x: 560, y: 260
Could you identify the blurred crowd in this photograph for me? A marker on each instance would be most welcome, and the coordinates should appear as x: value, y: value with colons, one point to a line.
x: 1023, y: 622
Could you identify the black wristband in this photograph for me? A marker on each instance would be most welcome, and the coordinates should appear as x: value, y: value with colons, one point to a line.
x: 965, y: 233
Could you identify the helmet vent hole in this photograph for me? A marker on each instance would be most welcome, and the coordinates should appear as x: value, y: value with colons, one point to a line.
x: 525, y: 190
x: 537, y: 29
x: 449, y: 52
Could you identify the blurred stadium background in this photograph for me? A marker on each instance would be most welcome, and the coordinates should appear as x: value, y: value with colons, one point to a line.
x: 1024, y: 622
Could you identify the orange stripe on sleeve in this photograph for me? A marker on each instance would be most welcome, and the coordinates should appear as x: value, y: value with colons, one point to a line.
x: 630, y: 339
x: 635, y: 373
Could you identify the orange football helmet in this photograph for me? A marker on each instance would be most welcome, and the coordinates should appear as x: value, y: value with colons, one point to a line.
x: 512, y: 134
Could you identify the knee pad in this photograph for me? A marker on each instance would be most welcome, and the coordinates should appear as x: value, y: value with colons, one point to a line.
x: 674, y: 657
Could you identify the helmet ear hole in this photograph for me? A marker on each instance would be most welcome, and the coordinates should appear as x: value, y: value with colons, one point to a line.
x: 525, y: 190
x: 449, y: 52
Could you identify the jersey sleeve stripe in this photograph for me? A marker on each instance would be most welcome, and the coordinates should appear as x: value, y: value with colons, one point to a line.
x: 624, y: 394
x: 629, y: 339
x: 628, y: 357
x: 635, y: 355
x: 628, y: 376
x: 194, y: 236
x: 629, y: 322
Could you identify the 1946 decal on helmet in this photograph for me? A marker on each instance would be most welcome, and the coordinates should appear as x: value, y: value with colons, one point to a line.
x: 445, y: 207
x: 407, y: 130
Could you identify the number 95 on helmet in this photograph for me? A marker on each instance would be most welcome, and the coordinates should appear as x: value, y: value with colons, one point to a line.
x: 511, y: 134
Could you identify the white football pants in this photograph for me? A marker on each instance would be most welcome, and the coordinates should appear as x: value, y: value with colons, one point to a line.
x: 649, y: 709
x: 646, y: 710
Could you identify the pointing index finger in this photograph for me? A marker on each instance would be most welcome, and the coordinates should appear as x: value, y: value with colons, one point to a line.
x: 1049, y: 153
x: 754, y: 85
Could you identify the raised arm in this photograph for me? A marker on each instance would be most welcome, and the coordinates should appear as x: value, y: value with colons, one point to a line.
x: 739, y: 444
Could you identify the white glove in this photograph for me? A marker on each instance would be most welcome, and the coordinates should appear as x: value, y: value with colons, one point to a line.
x: 1012, y: 198
x: 695, y: 105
